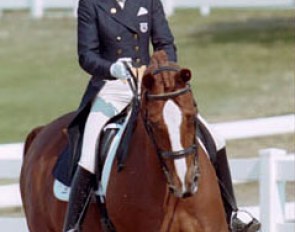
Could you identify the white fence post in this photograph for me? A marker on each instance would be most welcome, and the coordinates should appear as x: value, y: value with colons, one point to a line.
x: 75, y: 10
x: 271, y: 207
x: 37, y: 8
x: 168, y: 7
x: 205, y: 8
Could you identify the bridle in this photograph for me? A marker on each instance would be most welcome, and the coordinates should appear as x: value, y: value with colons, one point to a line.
x: 166, y: 155
x: 163, y: 97
x: 172, y: 155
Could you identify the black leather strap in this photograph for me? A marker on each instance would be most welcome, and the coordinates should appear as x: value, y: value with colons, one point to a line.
x: 179, y: 154
x: 165, y: 96
x: 165, y: 68
x: 106, y: 223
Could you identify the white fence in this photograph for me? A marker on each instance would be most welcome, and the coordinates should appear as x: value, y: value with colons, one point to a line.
x: 206, y: 5
x: 37, y: 7
x: 272, y: 169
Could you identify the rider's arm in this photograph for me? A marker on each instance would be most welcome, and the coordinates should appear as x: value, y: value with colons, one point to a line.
x: 88, y: 42
x: 162, y: 38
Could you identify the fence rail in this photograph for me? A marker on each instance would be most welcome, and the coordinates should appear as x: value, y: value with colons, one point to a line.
x: 263, y: 127
x: 37, y: 7
x: 272, y: 169
x: 232, y: 3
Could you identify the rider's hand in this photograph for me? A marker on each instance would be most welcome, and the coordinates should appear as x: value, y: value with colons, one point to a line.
x: 119, y: 70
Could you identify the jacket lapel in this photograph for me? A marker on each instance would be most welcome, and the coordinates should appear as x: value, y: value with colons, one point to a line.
x: 126, y: 16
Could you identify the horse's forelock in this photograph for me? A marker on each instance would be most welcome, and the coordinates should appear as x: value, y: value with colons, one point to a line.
x: 160, y: 59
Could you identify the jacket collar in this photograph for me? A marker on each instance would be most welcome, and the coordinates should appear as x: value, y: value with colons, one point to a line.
x: 124, y: 16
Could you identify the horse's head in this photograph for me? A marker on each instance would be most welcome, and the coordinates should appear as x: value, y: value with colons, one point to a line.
x: 169, y: 113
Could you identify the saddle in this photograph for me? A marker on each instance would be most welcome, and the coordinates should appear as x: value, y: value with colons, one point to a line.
x: 111, y: 139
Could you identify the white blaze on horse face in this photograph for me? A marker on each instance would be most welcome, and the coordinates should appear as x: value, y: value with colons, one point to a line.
x: 173, y: 119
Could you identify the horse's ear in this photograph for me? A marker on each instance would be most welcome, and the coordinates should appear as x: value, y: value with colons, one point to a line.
x: 148, y: 81
x: 185, y: 74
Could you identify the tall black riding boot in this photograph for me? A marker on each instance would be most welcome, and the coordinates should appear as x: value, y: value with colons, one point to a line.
x: 229, y: 199
x: 225, y: 183
x: 79, y: 200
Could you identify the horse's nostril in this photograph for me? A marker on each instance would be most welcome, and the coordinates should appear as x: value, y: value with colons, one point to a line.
x: 187, y: 194
x: 196, y: 178
x: 171, y: 190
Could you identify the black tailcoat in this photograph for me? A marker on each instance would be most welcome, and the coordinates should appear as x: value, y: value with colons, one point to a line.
x: 105, y: 33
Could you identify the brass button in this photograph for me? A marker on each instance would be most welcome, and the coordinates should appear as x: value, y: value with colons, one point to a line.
x: 113, y: 10
x: 136, y: 48
x: 135, y: 36
x: 137, y: 60
x: 119, y: 51
x: 118, y: 38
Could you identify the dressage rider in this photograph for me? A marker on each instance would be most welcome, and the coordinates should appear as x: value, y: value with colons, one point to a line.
x: 111, y: 32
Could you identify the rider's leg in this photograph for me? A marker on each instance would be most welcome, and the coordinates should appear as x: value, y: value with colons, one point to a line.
x: 111, y: 100
x: 79, y: 199
x: 222, y: 170
x: 225, y: 182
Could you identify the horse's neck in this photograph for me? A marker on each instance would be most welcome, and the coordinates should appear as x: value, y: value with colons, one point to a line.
x: 145, y: 155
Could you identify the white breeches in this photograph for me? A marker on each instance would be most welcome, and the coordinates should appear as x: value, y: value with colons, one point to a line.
x: 217, y: 137
x: 110, y: 101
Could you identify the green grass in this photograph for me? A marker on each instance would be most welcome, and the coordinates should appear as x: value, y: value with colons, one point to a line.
x: 40, y: 78
x: 249, y: 147
x: 242, y: 63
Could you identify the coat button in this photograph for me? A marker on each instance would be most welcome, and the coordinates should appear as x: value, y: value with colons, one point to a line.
x: 119, y: 51
x: 136, y: 48
x: 118, y: 38
x: 135, y: 36
x: 137, y: 60
x: 113, y: 10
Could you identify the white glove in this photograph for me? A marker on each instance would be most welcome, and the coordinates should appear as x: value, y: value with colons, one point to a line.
x: 119, y: 70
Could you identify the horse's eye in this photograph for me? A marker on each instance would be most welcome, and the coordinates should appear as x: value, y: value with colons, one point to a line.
x: 191, y: 119
x: 156, y: 124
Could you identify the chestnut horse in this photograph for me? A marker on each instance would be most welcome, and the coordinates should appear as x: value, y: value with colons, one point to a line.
x: 168, y: 183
